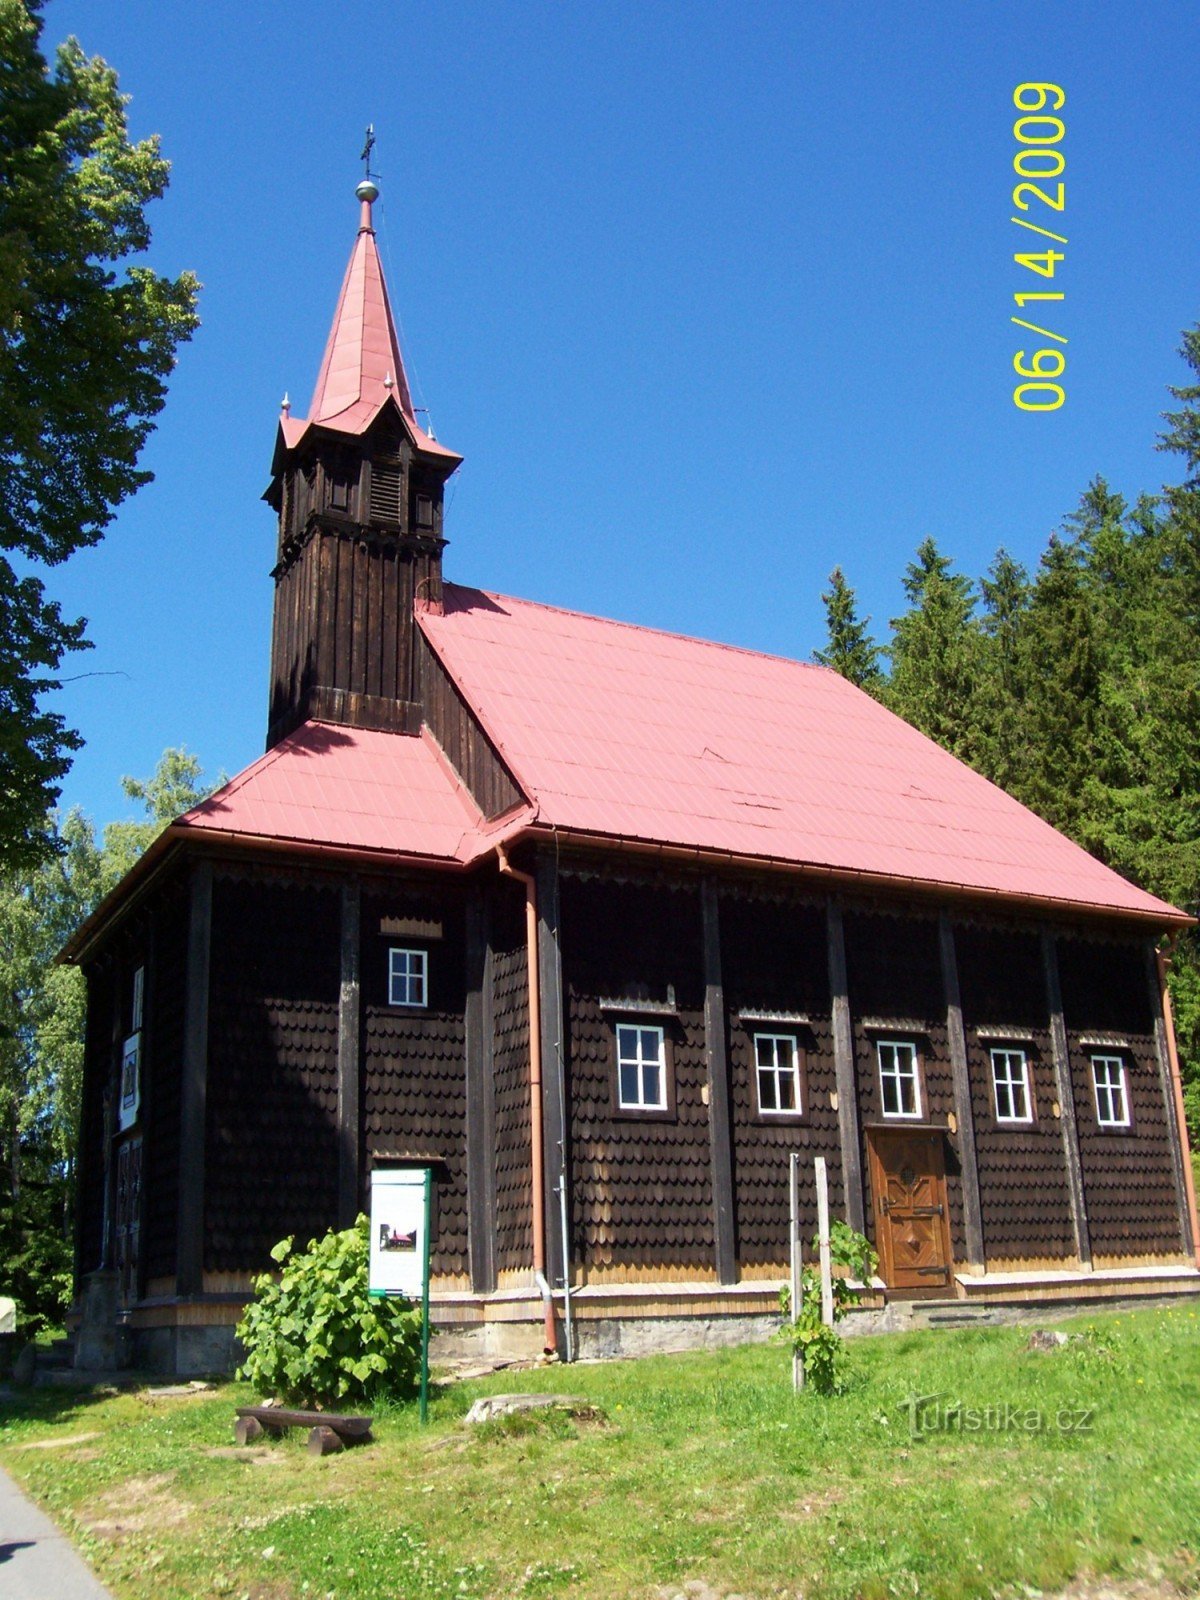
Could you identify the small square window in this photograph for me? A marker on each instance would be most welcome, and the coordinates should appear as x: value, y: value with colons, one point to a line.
x: 641, y: 1068
x: 777, y: 1068
x: 407, y: 977
x: 1112, y: 1092
x: 1010, y: 1086
x: 899, y: 1083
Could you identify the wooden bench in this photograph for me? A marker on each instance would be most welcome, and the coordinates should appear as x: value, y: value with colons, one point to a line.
x: 327, y: 1431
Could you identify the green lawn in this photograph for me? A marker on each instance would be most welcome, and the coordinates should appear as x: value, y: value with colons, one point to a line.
x: 707, y: 1467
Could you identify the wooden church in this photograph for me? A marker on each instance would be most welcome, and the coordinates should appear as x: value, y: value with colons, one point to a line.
x: 601, y: 923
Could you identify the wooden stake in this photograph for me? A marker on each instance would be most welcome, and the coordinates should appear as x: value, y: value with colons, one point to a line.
x: 797, y: 1249
x: 823, y: 1240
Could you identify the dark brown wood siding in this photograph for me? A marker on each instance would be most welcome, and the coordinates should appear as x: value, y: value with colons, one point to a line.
x: 1127, y: 1176
x: 455, y: 727
x: 414, y: 1059
x: 272, y: 1164
x: 774, y: 959
x: 1022, y: 1172
x: 97, y: 1069
x: 342, y: 638
x: 894, y: 973
x: 164, y: 1059
x: 514, y: 1204
x: 642, y: 1190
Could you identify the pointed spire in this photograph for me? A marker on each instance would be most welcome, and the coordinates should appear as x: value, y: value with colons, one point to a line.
x: 362, y: 366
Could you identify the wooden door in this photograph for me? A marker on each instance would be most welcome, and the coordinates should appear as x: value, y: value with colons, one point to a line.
x: 912, y: 1228
x: 129, y: 1217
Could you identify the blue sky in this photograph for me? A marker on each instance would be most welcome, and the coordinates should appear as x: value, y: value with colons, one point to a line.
x: 711, y: 297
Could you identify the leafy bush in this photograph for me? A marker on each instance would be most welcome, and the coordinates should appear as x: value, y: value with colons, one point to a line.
x: 820, y: 1347
x: 35, y: 1258
x: 313, y: 1337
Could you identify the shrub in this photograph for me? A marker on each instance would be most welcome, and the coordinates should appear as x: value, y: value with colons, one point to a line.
x: 820, y: 1347
x: 312, y: 1335
x: 35, y: 1258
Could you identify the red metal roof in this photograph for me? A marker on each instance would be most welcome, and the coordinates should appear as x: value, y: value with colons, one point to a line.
x: 630, y: 733
x: 349, y: 789
x: 362, y: 369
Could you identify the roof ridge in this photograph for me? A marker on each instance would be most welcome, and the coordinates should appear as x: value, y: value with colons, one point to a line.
x: 642, y: 627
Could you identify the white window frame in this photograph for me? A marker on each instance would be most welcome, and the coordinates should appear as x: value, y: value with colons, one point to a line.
x: 1006, y: 1056
x: 778, y: 1072
x: 1110, y: 1088
x: 409, y: 981
x: 896, y: 1046
x: 631, y: 1040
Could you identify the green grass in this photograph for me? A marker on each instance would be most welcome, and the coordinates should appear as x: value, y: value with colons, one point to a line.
x: 707, y: 1467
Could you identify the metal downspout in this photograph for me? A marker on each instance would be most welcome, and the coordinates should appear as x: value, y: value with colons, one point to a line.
x: 536, y: 1140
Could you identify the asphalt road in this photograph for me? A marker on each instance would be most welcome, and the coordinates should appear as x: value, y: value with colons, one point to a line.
x: 37, y: 1562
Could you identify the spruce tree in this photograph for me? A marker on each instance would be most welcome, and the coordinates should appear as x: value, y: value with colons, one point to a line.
x: 936, y: 654
x: 850, y: 649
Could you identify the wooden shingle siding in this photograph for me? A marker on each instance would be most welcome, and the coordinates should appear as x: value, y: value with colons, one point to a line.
x: 774, y: 959
x: 642, y: 1185
x: 272, y: 1158
x: 514, y: 1216
x: 457, y: 730
x: 894, y: 970
x: 160, y: 1172
x: 414, y: 1060
x: 1132, y: 1204
x: 1022, y: 1172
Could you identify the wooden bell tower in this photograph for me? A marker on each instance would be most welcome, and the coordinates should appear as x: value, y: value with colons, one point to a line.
x: 358, y: 489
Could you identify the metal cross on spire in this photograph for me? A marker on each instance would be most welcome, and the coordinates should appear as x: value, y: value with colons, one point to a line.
x: 368, y: 147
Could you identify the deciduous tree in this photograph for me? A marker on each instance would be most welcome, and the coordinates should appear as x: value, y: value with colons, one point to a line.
x: 85, y: 353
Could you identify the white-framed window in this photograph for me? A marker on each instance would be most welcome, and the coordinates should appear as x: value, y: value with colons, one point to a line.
x: 408, y: 977
x: 1112, y: 1091
x: 1010, y: 1085
x: 641, y: 1067
x: 777, y: 1068
x: 139, y: 995
x: 899, y: 1078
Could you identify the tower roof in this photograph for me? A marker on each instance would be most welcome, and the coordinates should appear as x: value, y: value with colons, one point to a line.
x: 362, y: 370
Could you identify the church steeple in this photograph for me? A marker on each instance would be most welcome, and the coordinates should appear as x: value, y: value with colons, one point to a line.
x: 358, y: 488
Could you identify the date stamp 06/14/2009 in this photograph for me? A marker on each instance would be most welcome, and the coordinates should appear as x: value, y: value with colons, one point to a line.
x: 1040, y: 200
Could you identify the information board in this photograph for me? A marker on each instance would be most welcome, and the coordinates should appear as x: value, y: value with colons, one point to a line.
x: 399, y: 1229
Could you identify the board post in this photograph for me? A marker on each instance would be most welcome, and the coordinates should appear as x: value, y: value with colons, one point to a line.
x: 796, y: 1263
x: 401, y: 1234
x: 425, y: 1302
x: 823, y: 1242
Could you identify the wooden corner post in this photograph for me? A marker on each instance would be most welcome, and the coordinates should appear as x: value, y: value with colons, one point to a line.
x: 555, y: 1109
x: 717, y: 1052
x: 963, y: 1109
x: 193, y: 1089
x: 843, y: 1064
x: 481, y: 1098
x: 349, y: 1056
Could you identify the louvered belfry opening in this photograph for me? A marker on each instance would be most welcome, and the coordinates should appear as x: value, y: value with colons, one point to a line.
x: 387, y: 491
